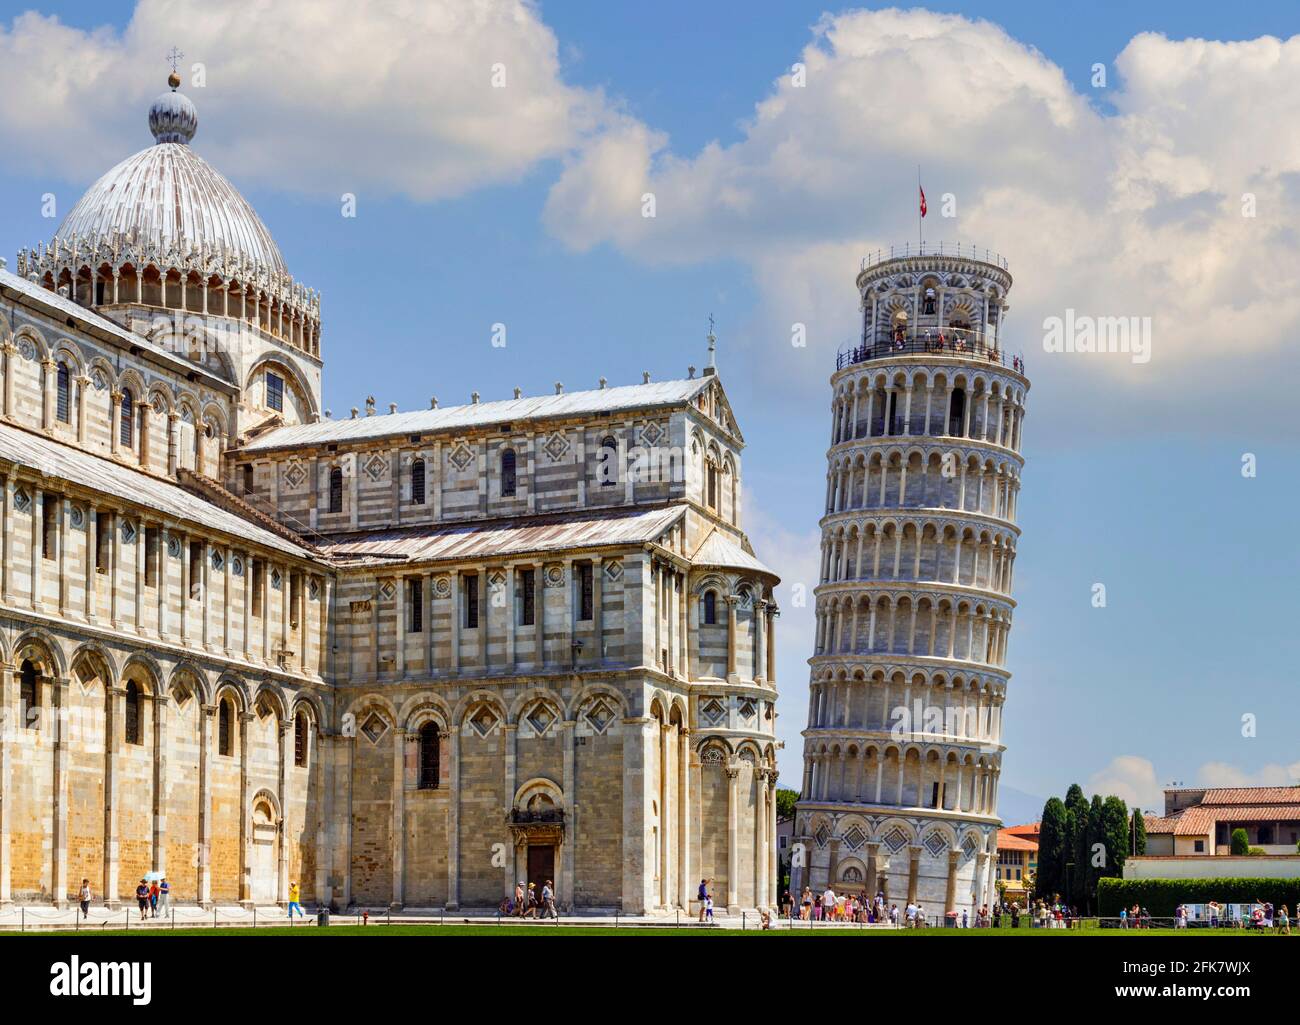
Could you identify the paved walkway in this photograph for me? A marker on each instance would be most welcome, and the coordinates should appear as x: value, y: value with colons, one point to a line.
x: 35, y: 918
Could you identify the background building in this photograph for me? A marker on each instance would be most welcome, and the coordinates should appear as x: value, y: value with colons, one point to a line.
x: 1018, y: 860
x: 404, y: 659
x: 903, y: 751
x: 1202, y: 821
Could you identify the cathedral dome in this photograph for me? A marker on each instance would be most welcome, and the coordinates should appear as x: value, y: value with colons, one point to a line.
x: 167, y: 197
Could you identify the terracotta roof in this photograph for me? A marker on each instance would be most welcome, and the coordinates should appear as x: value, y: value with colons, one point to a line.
x: 1008, y: 841
x: 502, y: 537
x: 1201, y: 820
x: 660, y: 394
x: 55, y: 460
x: 1252, y: 795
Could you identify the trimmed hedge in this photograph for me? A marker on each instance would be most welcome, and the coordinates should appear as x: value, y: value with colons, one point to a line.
x: 1162, y: 896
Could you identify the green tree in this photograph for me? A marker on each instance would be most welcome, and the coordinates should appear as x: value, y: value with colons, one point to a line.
x: 1052, y: 839
x: 785, y: 800
x: 1240, y: 842
x: 1138, y: 833
x: 1074, y: 871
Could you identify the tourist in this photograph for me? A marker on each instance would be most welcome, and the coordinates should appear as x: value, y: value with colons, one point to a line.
x: 965, y: 919
x: 828, y: 903
x: 549, y: 910
x: 805, y: 906
x: 708, y: 907
x: 295, y: 895
x: 817, y: 908
x: 83, y: 895
x: 518, y: 908
x: 1284, y: 921
x: 142, y: 898
x: 531, y: 910
x: 787, y: 906
x: 765, y: 920
x: 1123, y: 918
x: 164, y: 895
x: 153, y: 899
x: 703, y: 896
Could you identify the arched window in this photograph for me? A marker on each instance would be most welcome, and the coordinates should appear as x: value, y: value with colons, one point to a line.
x: 28, y: 695
x: 225, y: 734
x: 132, y: 713
x: 63, y: 395
x: 713, y: 486
x: 607, y: 470
x: 957, y: 412
x: 429, y: 756
x: 300, y: 740
x: 336, y: 490
x: 508, y: 473
x: 127, y: 414
x: 710, y: 608
x: 417, y: 482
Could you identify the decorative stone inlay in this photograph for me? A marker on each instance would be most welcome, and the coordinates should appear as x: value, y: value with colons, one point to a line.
x: 376, y: 468
x: 713, y: 712
x: 823, y: 835
x: 554, y: 575
x: 276, y: 579
x: 614, y: 569
x: 484, y: 721
x: 461, y: 457
x: 174, y: 547
x: 936, y: 844
x: 128, y: 532
x: 855, y: 838
x: 295, y: 475
x: 557, y: 447
x: 387, y: 590
x: 218, y: 560
x: 313, y: 590
x: 77, y: 517
x: 748, y: 711
x: 652, y: 434
x: 442, y: 587
x: 895, y: 840
x: 99, y: 379
x: 22, y: 500
x: 374, y: 728
x: 237, y: 566
x: 26, y: 349
x: 599, y: 715
x: 541, y: 718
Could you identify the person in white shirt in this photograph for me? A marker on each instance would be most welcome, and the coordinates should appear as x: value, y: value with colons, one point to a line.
x: 911, y: 915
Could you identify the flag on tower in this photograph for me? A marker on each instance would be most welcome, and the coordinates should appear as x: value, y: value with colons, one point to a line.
x: 923, y: 208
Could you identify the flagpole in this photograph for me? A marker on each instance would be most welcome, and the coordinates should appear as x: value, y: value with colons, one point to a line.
x: 920, y: 241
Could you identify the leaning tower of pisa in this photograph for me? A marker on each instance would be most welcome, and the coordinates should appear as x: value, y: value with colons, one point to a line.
x: 903, y: 747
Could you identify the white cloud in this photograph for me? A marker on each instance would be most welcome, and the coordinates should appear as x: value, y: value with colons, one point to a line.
x: 318, y: 96
x: 1132, y: 779
x: 1133, y: 213
x: 1221, y: 774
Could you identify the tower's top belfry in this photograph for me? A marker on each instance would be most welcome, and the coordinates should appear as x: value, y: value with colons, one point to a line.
x: 933, y: 300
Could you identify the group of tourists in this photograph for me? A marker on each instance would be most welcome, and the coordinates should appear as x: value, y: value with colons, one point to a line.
x: 831, y: 907
x: 528, y: 903
x: 1259, y: 914
x: 152, y: 897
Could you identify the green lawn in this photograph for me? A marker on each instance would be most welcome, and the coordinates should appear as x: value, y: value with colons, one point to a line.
x: 578, y: 930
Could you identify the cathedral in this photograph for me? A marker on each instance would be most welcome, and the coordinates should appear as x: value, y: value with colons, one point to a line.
x: 401, y: 659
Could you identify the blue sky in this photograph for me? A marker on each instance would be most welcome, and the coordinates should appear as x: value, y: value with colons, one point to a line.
x: 1133, y: 476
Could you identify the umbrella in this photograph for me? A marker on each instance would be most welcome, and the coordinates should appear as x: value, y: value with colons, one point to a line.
x: 151, y: 876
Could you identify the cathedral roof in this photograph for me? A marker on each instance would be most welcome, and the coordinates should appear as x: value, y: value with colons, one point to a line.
x: 83, y: 469
x: 168, y: 197
x: 659, y: 394
x: 500, y: 539
x: 725, y: 552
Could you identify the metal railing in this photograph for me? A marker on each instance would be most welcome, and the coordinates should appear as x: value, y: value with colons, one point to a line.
x: 951, y: 249
x: 954, y: 343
